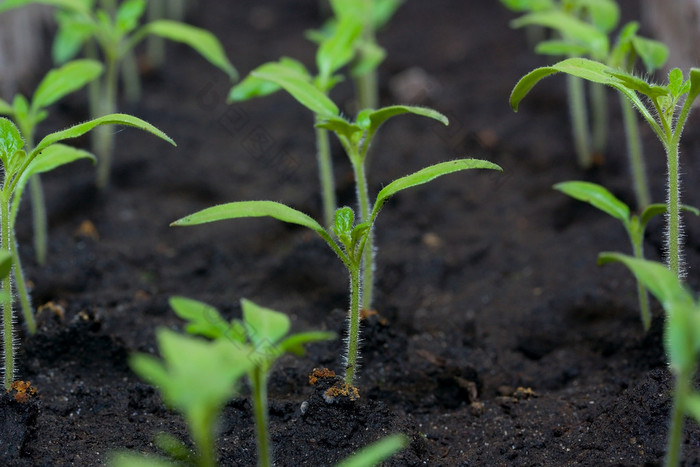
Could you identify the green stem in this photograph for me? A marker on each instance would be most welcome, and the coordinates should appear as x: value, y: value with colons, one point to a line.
x: 642, y: 294
x: 177, y: 10
x: 39, y: 218
x: 7, y: 313
x: 579, y: 121
x: 367, y: 83
x: 634, y: 151
x: 353, y: 326
x: 599, y: 104
x: 155, y: 45
x: 105, y: 135
x: 130, y: 76
x: 21, y: 286
x: 259, y: 383
x: 675, y: 432
x: 673, y: 228
x: 325, y: 171
x: 368, y: 253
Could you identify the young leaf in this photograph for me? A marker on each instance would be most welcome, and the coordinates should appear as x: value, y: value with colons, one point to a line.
x: 597, y: 196
x: 339, y: 126
x: 73, y: 31
x: 376, y: 452
x: 426, y: 175
x: 294, y: 344
x: 653, y: 53
x: 605, y: 14
x: 344, y: 221
x: 656, y: 209
x: 560, y: 47
x: 132, y: 459
x: 299, y: 88
x: 202, y: 319
x: 692, y: 405
x: 10, y: 140
x: 199, y: 39
x: 378, y: 117
x: 128, y: 15
x: 252, y: 87
x: 240, y: 209
x: 383, y: 11
x: 112, y: 119
x: 64, y: 80
x: 264, y: 326
x: 338, y: 49
x: 5, y: 263
x: 694, y: 83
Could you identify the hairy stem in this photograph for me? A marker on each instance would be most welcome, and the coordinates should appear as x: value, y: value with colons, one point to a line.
x: 368, y: 252
x: 7, y: 312
x: 259, y: 383
x: 579, y: 121
x: 634, y: 151
x: 39, y: 218
x: 599, y: 104
x: 21, y: 285
x: 675, y: 431
x: 104, y: 134
x: 325, y: 171
x: 353, y: 326
x: 673, y: 228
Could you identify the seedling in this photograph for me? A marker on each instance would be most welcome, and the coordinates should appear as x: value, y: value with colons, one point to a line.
x: 115, y: 31
x: 355, y: 137
x: 347, y: 238
x: 660, y: 110
x: 263, y: 333
x: 599, y: 197
x: 28, y: 114
x: 19, y: 166
x: 681, y: 340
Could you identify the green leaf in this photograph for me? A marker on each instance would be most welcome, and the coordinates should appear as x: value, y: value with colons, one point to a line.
x: 73, y: 31
x: 560, y: 47
x: 65, y: 80
x: 570, y: 28
x: 243, y: 209
x: 692, y: 406
x: 650, y: 212
x: 378, y: 117
x: 605, y: 14
x: 5, y: 263
x: 598, y: 197
x: 653, y: 53
x: 299, y: 88
x: 10, y: 140
x: 675, y: 81
x: 369, y: 56
x: 76, y: 5
x: 376, y: 452
x: 128, y: 15
x: 112, y: 119
x: 294, y: 344
x: 202, y: 319
x: 264, y: 326
x: 344, y: 221
x: 694, y: 83
x: 199, y: 39
x: 339, y: 126
x: 634, y: 83
x: 383, y: 11
x: 252, y: 87
x: 338, y: 49
x: 132, y: 459
x: 175, y: 448
x: 426, y: 175
x: 528, y: 5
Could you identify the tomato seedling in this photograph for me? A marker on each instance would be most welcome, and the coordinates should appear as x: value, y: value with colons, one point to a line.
x: 19, y: 166
x: 665, y: 108
x: 27, y: 114
x: 681, y: 341
x: 599, y: 197
x: 347, y: 238
x: 115, y: 30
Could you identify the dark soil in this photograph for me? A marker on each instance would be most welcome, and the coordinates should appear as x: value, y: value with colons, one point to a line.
x: 498, y: 342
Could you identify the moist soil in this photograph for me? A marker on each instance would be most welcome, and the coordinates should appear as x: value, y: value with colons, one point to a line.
x: 497, y: 338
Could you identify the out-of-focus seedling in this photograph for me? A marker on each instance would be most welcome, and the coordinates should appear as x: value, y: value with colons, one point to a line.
x: 19, y: 166
x: 28, y: 114
x: 681, y: 340
x: 665, y: 108
x: 347, y: 239
x: 599, y: 197
x: 114, y: 30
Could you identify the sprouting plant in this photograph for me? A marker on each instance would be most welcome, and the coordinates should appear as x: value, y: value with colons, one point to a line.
x: 355, y: 137
x: 373, y: 15
x: 113, y: 30
x: 19, y: 165
x: 334, y: 52
x: 347, y: 238
x: 27, y: 115
x: 263, y: 332
x: 198, y: 377
x: 664, y: 107
x: 599, y: 197
x: 681, y: 341
x: 583, y: 29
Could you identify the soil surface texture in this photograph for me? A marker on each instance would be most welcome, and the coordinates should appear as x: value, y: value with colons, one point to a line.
x: 497, y: 338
